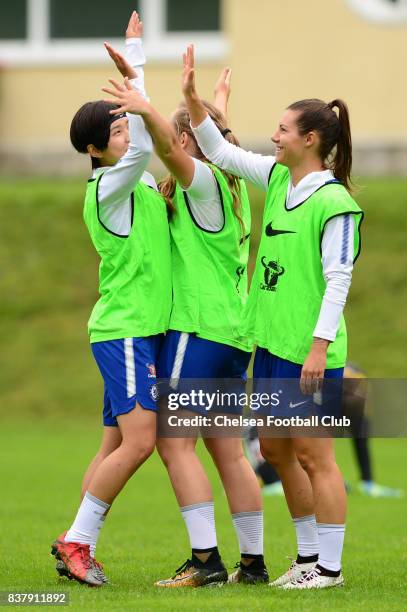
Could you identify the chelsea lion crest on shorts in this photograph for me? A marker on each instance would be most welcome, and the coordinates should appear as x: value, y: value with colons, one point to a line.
x: 154, y: 392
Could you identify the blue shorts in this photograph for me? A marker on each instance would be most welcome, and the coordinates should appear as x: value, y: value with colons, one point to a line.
x: 185, y: 356
x: 128, y: 367
x: 273, y: 375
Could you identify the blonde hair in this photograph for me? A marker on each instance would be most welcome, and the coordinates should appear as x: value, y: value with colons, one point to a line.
x: 181, y: 120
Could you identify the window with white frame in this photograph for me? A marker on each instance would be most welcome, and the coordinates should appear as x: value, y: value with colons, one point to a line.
x: 54, y: 31
x: 386, y: 12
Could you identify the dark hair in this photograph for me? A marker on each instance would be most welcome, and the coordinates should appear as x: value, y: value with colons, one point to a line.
x: 91, y: 125
x: 181, y: 121
x: 334, y: 131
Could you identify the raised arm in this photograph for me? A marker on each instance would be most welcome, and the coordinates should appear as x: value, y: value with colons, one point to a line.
x: 131, y: 65
x: 119, y: 181
x: 135, y: 52
x: 251, y: 166
x: 166, y: 143
x: 222, y: 91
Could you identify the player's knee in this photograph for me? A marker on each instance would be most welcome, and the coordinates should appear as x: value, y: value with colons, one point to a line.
x: 170, y: 454
x: 165, y: 453
x: 104, y: 452
x: 147, y: 449
x: 270, y: 454
x: 225, y: 464
x: 307, y: 462
x: 107, y: 450
x: 314, y: 463
x: 175, y: 451
x: 144, y: 452
x: 138, y: 453
x: 224, y: 457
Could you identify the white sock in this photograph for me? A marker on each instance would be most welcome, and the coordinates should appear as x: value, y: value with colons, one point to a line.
x: 88, y: 522
x: 331, y: 545
x: 200, y: 522
x: 307, y: 535
x: 249, y: 530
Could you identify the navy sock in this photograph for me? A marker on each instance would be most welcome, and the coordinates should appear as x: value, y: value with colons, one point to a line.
x: 213, y: 559
x: 311, y: 559
x: 327, y: 572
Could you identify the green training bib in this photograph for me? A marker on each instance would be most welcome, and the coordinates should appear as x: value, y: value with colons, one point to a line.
x: 135, y: 271
x: 210, y: 270
x: 288, y: 283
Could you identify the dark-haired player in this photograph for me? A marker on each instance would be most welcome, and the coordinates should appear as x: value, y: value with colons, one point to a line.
x: 127, y: 221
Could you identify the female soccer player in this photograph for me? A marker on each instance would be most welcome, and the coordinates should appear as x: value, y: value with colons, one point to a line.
x: 209, y: 230
x: 127, y: 221
x: 310, y: 239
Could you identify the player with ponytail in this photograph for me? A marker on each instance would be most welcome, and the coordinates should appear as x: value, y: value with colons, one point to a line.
x: 210, y: 228
x: 310, y: 240
x: 181, y: 123
x: 334, y: 131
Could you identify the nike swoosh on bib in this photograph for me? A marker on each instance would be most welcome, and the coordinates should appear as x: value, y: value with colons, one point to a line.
x: 291, y: 405
x: 275, y: 232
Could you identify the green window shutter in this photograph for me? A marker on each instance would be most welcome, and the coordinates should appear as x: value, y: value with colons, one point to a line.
x: 13, y: 21
x: 89, y: 18
x: 188, y: 16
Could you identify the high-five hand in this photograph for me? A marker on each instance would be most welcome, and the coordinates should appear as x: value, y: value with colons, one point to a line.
x: 222, y: 91
x: 122, y: 64
x: 134, y: 27
x: 196, y: 109
x: 222, y: 85
x: 188, y: 72
x: 127, y: 98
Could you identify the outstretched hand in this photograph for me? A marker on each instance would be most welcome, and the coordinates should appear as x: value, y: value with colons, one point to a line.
x: 127, y: 98
x: 122, y: 64
x: 222, y: 91
x: 134, y: 27
x: 196, y: 109
x: 222, y: 85
x: 188, y: 72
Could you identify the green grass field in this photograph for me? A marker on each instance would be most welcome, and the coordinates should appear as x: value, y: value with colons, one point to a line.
x: 144, y: 537
x: 50, y: 421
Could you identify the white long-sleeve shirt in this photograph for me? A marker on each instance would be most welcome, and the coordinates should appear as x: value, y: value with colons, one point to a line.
x: 337, y: 241
x: 118, y: 181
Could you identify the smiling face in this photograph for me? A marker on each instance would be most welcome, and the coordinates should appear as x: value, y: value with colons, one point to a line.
x: 291, y: 147
x: 117, y: 145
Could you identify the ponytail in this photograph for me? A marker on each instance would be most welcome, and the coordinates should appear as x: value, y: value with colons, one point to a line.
x: 334, y: 132
x: 342, y: 162
x: 167, y: 189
